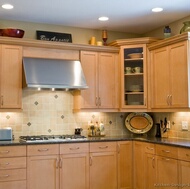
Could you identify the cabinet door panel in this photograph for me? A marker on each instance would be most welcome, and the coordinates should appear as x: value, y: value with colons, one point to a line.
x: 125, y: 165
x: 103, y: 170
x: 89, y: 61
x: 43, y: 172
x: 11, y: 76
x: 107, y: 80
x: 74, y: 172
x: 160, y: 78
x: 179, y: 75
x: 166, y: 167
x: 150, y: 171
x: 184, y: 172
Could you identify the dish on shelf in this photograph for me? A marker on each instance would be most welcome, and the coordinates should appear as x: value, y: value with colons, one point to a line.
x: 135, y: 88
x: 138, y: 122
x: 135, y: 55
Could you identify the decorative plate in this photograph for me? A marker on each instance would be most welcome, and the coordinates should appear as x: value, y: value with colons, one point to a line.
x: 138, y: 122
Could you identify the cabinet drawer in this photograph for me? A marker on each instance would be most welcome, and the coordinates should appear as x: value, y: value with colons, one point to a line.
x: 10, y: 151
x: 12, y: 174
x: 13, y: 185
x: 184, y: 154
x: 39, y: 150
x: 149, y: 148
x: 74, y: 148
x: 167, y: 151
x: 13, y: 163
x: 102, y: 146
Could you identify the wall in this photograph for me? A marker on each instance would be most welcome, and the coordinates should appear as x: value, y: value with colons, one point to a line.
x: 47, y: 112
x: 79, y: 35
x: 175, y: 28
x: 51, y: 112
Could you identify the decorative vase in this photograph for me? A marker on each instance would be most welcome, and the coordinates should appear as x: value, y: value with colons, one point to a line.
x: 186, y: 27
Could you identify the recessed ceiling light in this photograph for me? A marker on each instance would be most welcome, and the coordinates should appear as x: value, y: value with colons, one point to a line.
x: 157, y: 9
x: 7, y: 6
x: 103, y: 18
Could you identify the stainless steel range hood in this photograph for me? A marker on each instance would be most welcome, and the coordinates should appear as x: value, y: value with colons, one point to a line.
x: 53, y: 74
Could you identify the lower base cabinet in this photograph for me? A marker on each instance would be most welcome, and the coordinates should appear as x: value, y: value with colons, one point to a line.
x: 124, y: 165
x: 167, y: 175
x: 103, y: 165
x: 42, y: 172
x: 74, y: 166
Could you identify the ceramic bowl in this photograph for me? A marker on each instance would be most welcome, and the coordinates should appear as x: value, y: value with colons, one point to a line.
x: 10, y: 32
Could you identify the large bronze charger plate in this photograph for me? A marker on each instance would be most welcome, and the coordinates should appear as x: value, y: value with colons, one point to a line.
x: 138, y: 122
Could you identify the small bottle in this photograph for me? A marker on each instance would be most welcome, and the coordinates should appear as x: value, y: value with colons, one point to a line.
x: 167, y: 32
x: 102, y: 129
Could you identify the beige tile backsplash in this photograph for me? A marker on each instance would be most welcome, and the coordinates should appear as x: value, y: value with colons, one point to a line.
x: 47, y: 112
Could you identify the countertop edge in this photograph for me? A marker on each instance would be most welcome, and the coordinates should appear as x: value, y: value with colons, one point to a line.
x: 163, y: 141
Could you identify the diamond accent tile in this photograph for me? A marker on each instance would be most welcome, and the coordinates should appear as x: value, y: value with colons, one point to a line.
x: 49, y: 130
x: 8, y: 117
x: 36, y: 103
x: 93, y: 116
x: 62, y: 117
x: 110, y: 122
x: 56, y: 96
x: 29, y: 124
x: 121, y: 116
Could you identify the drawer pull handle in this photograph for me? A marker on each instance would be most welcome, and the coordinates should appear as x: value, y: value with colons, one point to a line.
x: 103, y: 147
x: 4, y: 176
x: 4, y: 152
x: 43, y: 150
x: 60, y: 163
x: 149, y: 148
x: 166, y: 159
x: 166, y: 151
x: 76, y: 148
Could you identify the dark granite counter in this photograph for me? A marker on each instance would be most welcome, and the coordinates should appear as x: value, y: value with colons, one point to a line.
x: 164, y: 141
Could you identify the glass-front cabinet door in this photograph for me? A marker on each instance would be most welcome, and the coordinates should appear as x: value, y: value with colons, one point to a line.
x: 133, y: 76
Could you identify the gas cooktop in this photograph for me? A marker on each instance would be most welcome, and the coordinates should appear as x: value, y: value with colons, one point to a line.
x: 51, y: 138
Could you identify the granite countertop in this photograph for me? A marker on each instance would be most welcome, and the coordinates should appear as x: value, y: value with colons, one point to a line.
x: 164, y: 141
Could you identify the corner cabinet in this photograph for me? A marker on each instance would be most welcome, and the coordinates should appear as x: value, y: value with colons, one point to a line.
x: 133, y: 77
x: 101, y: 73
x: 169, y: 73
x: 10, y: 76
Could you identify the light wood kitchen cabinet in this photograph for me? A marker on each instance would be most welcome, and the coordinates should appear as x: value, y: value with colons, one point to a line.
x: 125, y: 165
x: 169, y: 76
x: 167, y: 164
x: 150, y: 165
x: 43, y: 166
x: 184, y: 167
x: 138, y: 165
x: 10, y: 76
x: 101, y: 73
x: 133, y: 77
x: 13, y: 167
x: 103, y: 165
x: 74, y: 170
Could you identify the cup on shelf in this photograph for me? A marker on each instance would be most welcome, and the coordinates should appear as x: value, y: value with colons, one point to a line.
x: 136, y: 70
x: 128, y: 70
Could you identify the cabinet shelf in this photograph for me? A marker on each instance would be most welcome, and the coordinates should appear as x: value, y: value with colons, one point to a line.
x: 133, y: 93
x: 133, y: 59
x: 134, y: 74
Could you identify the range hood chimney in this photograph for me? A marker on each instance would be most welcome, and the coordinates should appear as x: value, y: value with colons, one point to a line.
x: 53, y: 74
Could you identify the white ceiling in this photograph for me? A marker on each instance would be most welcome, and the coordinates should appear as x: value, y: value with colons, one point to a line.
x: 133, y: 16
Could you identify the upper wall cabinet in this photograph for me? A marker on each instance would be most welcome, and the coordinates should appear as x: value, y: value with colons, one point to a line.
x: 133, y: 77
x: 133, y: 73
x: 169, y: 73
x: 10, y: 76
x: 101, y: 72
